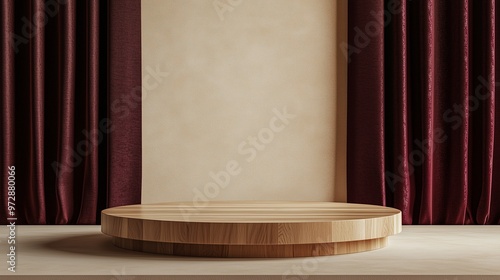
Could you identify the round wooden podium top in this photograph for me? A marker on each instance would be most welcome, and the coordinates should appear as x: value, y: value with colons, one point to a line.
x: 251, y: 222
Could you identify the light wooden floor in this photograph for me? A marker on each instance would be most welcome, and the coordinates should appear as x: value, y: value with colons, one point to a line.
x: 418, y: 250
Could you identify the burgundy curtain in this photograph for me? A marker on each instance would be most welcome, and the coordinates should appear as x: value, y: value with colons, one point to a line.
x: 71, y: 108
x: 424, y: 120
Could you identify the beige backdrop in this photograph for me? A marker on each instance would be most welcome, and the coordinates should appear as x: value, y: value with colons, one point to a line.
x: 243, y: 99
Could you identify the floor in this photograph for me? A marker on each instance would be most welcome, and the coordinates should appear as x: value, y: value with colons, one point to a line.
x: 418, y: 250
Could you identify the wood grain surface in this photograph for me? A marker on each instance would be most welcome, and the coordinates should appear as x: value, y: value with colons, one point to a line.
x: 252, y: 251
x: 238, y: 228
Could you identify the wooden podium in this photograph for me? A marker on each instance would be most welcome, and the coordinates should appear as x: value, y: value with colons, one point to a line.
x: 260, y: 229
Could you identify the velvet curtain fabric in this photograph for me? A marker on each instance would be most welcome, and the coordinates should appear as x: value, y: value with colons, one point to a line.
x: 423, y: 121
x: 71, y: 108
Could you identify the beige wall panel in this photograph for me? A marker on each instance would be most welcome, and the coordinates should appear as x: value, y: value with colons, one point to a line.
x: 218, y: 74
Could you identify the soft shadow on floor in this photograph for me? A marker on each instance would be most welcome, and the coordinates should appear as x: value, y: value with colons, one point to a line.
x: 98, y: 245
x: 102, y: 246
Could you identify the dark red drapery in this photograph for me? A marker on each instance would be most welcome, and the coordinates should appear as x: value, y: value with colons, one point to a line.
x: 423, y: 117
x: 71, y: 108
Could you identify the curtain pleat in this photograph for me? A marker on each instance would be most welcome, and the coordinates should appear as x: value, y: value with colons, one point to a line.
x: 36, y: 114
x: 66, y: 131
x: 7, y: 84
x: 494, y: 12
x: 397, y: 65
x: 125, y: 102
x: 484, y: 120
x: 63, y: 63
x: 366, y: 157
x: 88, y: 194
x: 438, y: 128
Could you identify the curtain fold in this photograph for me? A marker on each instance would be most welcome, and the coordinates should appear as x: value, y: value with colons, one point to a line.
x: 7, y: 98
x: 422, y: 83
x: 73, y: 154
x: 125, y: 101
x: 367, y: 159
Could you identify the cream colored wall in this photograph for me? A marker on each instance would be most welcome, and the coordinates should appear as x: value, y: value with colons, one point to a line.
x: 241, y: 98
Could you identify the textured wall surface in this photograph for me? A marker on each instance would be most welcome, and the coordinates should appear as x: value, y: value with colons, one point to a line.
x: 243, y: 100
